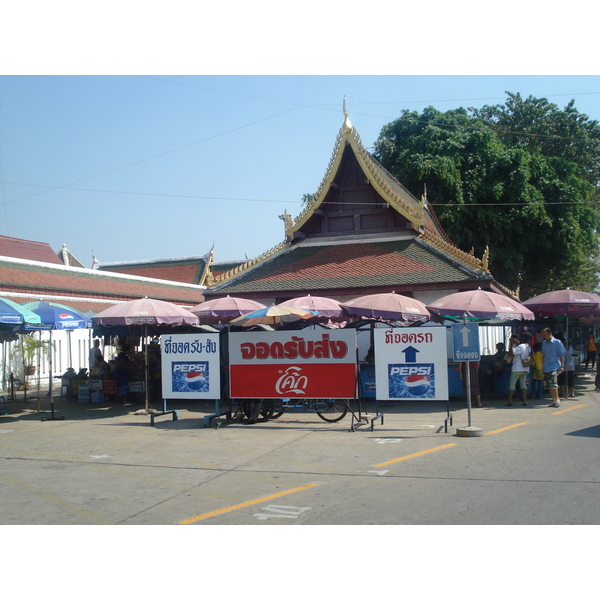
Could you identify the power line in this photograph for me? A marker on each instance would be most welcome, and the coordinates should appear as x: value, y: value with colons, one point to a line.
x: 183, y: 196
x: 65, y: 186
x: 264, y: 200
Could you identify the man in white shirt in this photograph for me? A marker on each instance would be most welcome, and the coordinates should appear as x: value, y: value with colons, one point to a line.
x: 519, y: 349
x: 95, y: 352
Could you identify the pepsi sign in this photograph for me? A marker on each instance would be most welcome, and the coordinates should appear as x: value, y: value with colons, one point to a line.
x: 190, y: 366
x: 414, y: 381
x: 190, y: 376
x: 411, y: 363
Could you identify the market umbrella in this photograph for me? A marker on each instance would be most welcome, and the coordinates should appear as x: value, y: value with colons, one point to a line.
x: 328, y: 308
x: 570, y: 304
x: 56, y: 317
x: 223, y: 310
x: 145, y: 312
x: 389, y: 306
x: 12, y: 313
x: 560, y: 303
x: 480, y: 305
x: 274, y: 315
x: 13, y: 316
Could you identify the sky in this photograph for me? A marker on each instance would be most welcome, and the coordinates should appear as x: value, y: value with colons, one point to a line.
x: 159, y: 146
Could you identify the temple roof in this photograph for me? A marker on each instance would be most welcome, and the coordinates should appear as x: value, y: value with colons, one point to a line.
x: 402, y: 264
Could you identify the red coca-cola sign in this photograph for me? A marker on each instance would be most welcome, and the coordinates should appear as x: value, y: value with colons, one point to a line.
x: 298, y: 364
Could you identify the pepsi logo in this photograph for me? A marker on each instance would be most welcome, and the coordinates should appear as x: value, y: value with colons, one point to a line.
x: 195, y: 380
x: 417, y: 385
x: 66, y: 316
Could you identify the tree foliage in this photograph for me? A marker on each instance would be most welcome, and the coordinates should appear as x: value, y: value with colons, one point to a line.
x: 521, y: 178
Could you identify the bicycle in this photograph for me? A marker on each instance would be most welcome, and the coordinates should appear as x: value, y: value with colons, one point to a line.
x: 330, y: 410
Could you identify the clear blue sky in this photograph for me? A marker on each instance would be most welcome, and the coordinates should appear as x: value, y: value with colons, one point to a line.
x: 153, y: 166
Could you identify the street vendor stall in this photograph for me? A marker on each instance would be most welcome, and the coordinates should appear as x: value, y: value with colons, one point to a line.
x: 144, y: 317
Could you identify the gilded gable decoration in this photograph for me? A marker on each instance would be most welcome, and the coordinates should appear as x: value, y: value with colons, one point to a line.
x: 219, y: 279
x: 468, y: 258
x: 382, y: 181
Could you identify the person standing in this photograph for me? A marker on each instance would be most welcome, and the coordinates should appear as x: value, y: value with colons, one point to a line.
x: 566, y: 380
x: 537, y: 388
x: 590, y: 343
x: 95, y: 354
x: 520, y: 349
x: 123, y: 368
x: 554, y: 363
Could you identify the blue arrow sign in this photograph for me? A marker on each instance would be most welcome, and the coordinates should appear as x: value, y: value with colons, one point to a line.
x: 465, y: 336
x: 466, y: 342
x: 410, y: 354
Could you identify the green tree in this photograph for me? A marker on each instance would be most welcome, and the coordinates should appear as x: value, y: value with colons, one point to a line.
x: 307, y: 199
x: 521, y: 178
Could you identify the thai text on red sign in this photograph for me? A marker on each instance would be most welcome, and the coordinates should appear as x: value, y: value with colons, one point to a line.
x: 294, y: 364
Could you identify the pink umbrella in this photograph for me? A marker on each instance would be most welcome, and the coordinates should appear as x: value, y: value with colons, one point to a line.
x: 328, y: 308
x: 570, y: 303
x: 390, y: 306
x: 224, y: 309
x: 481, y: 304
x: 145, y: 311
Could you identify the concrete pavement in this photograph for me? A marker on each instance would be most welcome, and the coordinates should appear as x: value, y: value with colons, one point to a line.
x: 105, y: 464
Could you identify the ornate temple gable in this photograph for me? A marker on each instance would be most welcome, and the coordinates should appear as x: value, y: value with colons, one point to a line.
x: 358, y: 196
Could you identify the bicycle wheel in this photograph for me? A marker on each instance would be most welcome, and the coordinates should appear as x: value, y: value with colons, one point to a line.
x: 278, y: 409
x: 246, y: 406
x: 268, y: 408
x: 248, y: 409
x: 336, y: 410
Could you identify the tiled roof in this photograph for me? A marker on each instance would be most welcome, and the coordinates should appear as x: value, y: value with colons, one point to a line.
x: 396, y: 263
x: 43, y: 278
x: 27, y: 249
x: 183, y: 271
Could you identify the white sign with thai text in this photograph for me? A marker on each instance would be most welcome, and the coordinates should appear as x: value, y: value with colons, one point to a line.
x: 411, y: 363
x: 190, y: 366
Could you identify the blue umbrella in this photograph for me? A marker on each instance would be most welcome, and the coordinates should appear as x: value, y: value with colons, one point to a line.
x: 56, y: 317
x: 12, y: 313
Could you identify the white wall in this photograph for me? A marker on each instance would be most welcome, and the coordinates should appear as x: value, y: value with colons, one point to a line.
x: 78, y: 356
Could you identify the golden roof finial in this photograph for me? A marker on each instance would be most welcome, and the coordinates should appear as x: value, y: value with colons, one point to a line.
x: 486, y: 259
x: 347, y: 126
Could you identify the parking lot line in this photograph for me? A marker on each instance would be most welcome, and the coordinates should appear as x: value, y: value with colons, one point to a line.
x: 564, y: 410
x: 222, y: 511
x: 395, y: 460
x: 506, y: 428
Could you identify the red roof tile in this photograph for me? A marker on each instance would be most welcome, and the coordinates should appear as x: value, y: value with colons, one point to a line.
x: 47, y: 279
x: 347, y: 261
x: 29, y: 250
x: 181, y: 273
